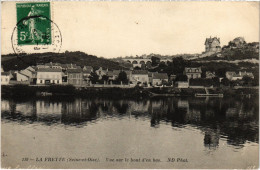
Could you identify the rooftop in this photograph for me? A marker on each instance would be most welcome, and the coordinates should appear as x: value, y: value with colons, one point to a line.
x: 49, y: 70
x: 74, y: 70
x: 193, y: 69
x: 160, y: 76
x: 140, y: 72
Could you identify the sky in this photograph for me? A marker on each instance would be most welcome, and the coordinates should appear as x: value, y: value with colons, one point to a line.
x: 114, y: 29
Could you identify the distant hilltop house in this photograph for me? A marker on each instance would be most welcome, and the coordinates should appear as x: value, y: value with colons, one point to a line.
x: 192, y: 73
x: 232, y: 75
x: 212, y: 45
x: 239, y: 41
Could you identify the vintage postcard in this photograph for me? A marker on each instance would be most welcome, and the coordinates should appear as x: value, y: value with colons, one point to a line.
x: 129, y: 85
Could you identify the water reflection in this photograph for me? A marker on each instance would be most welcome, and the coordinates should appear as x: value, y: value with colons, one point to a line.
x: 233, y: 119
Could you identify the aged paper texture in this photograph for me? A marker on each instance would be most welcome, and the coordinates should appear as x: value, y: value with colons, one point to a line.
x: 129, y: 85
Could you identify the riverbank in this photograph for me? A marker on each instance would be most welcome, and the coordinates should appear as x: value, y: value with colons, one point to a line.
x: 25, y: 91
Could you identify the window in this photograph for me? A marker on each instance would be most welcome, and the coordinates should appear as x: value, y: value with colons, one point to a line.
x: 6, y: 79
x: 41, y: 81
x: 58, y: 81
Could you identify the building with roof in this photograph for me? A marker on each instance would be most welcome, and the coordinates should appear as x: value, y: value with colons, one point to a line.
x: 69, y: 66
x: 212, y: 44
x: 22, y: 77
x: 5, y: 78
x: 232, y: 75
x: 159, y: 78
x: 49, y: 76
x: 88, y: 68
x: 101, y: 72
x: 53, y: 65
x: 75, y: 77
x: 139, y: 76
x: 210, y: 75
x: 237, y: 42
x: 182, y: 84
x: 192, y: 73
x: 115, y: 74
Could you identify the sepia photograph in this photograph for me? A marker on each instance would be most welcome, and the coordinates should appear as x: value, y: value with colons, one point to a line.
x: 129, y: 85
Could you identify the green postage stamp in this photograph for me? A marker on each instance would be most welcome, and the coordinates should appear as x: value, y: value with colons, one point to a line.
x: 33, y: 23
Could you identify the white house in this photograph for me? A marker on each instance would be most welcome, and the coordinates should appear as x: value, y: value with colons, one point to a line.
x: 5, y: 78
x: 21, y: 77
x: 192, y: 73
x: 182, y: 84
x: 49, y: 76
x: 231, y: 75
x: 139, y: 76
x: 159, y: 78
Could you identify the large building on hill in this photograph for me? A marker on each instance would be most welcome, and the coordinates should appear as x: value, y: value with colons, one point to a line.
x: 212, y: 44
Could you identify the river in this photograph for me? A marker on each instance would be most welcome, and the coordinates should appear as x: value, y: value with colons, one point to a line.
x: 155, y: 133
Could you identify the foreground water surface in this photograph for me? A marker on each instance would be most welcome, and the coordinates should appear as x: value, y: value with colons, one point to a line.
x: 156, y: 133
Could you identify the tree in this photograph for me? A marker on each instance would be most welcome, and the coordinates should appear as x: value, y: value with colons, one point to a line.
x: 93, y: 77
x: 122, y: 76
x: 181, y: 78
x: 155, y: 60
x: 247, y: 80
x: 178, y: 65
x: 104, y: 78
x: 225, y: 82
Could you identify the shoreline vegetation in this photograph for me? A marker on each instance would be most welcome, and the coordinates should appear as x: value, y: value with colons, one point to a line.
x: 67, y: 91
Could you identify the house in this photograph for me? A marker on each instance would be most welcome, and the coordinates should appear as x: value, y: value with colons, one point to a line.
x: 88, y: 68
x: 22, y: 77
x: 26, y: 72
x: 101, y: 72
x: 212, y: 45
x: 182, y: 84
x: 49, y: 76
x: 139, y: 76
x: 232, y: 75
x: 53, y: 65
x: 238, y: 42
x: 5, y: 78
x: 75, y: 77
x: 210, y: 75
x: 150, y: 77
x: 117, y: 72
x: 159, y: 78
x: 69, y: 66
x: 192, y: 72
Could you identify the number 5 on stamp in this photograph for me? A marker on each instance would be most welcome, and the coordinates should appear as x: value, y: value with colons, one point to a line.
x: 33, y: 25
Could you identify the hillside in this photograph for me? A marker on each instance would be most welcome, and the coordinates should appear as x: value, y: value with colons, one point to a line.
x: 246, y: 52
x: 11, y: 62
